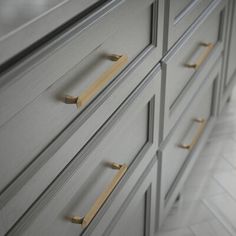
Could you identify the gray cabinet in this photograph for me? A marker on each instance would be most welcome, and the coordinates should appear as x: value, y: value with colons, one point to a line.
x: 130, y: 135
x: 136, y: 215
x: 105, y: 105
x: 182, y: 148
x: 186, y: 62
x: 229, y: 76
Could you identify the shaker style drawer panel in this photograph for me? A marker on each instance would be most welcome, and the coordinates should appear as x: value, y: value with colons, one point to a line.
x: 126, y: 138
x: 176, y: 153
x: 186, y: 65
x: 89, y: 46
x: 26, y: 134
x: 182, y: 14
x: 135, y: 214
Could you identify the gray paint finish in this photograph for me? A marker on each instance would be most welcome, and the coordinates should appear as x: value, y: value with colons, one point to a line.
x: 136, y: 120
x: 43, y: 119
x: 24, y: 22
x: 174, y: 172
x: 181, y: 83
x: 55, y: 158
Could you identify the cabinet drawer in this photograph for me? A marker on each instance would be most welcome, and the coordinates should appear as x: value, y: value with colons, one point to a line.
x: 33, y: 112
x: 134, y: 210
x: 136, y: 187
x: 182, y: 14
x: 128, y: 134
x: 86, y: 48
x: 176, y: 155
x: 186, y: 65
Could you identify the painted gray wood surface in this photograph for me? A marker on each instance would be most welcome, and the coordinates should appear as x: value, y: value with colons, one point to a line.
x: 137, y: 122
x: 177, y: 162
x: 181, y: 15
x: 136, y: 215
x: 43, y: 119
x: 54, y: 157
x: 231, y: 72
x: 24, y: 22
x: 58, y: 115
x: 180, y: 82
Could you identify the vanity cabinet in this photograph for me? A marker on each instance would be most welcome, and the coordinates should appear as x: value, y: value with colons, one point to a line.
x: 104, y: 108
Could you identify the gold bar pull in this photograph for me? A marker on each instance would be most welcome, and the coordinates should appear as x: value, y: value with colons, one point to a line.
x: 84, y: 97
x: 84, y: 221
x: 202, y: 123
x: 202, y: 58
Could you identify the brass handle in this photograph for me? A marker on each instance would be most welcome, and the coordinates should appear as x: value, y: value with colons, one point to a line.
x: 84, y: 221
x: 202, y: 123
x: 120, y: 61
x: 202, y: 58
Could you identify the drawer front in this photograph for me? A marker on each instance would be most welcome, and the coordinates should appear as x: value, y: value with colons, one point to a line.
x: 187, y: 133
x: 87, y: 48
x: 126, y: 136
x: 128, y: 216
x: 186, y: 65
x: 19, y: 23
x: 26, y: 133
x: 182, y: 14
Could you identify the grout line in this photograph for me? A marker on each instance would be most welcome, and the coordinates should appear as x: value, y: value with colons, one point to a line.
x: 234, y: 167
x: 228, y: 226
x: 226, y: 191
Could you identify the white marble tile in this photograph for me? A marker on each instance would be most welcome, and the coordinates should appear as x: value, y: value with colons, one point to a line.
x: 210, y: 228
x: 228, y: 182
x: 231, y: 158
x: 223, y: 207
x: 219, y: 228
x: 178, y: 232
x: 194, y: 193
x: 187, y: 214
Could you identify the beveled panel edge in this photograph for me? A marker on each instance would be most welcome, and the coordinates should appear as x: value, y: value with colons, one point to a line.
x: 191, y: 30
x: 86, y: 21
x: 129, y: 199
x: 21, y: 179
x: 53, y: 188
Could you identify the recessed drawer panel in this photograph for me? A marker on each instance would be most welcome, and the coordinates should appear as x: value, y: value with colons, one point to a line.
x: 88, y: 46
x: 182, y: 14
x: 187, y: 132
x: 185, y: 66
x: 26, y: 134
x: 127, y: 137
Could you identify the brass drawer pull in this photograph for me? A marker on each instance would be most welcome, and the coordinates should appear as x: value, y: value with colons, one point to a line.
x: 84, y: 97
x: 202, y: 123
x: 202, y: 58
x: 84, y: 221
